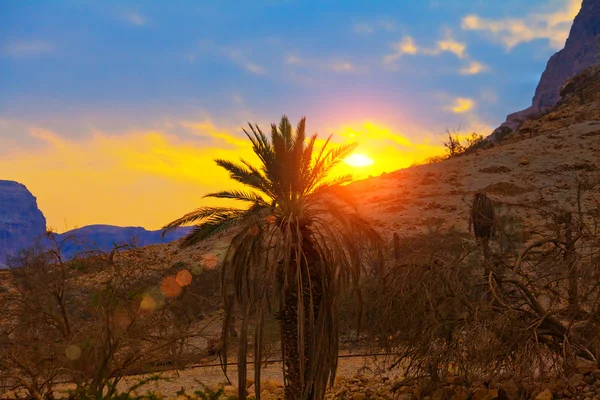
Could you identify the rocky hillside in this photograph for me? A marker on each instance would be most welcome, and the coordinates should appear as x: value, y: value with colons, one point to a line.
x: 21, y: 222
x: 581, y: 51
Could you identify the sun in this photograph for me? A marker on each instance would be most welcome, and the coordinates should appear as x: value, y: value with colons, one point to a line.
x: 358, y: 160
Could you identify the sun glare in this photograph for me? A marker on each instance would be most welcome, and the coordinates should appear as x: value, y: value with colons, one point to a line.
x: 358, y: 160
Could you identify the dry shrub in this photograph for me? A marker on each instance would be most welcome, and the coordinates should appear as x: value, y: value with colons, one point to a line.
x: 531, y: 317
x: 93, y: 319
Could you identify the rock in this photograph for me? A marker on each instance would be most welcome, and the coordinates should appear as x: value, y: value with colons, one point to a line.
x: 582, y: 50
x: 460, y: 394
x: 21, y: 221
x: 270, y: 385
x: 485, y: 394
x: 576, y: 380
x: 359, y: 396
x: 444, y: 393
x: 524, y: 161
x: 231, y: 392
x: 586, y: 367
x: 545, y: 395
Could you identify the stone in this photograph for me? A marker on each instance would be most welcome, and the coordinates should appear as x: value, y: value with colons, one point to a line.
x: 577, y: 380
x: 359, y: 396
x: 444, y: 393
x: 21, y: 221
x: 485, y: 394
x: 231, y: 391
x: 544, y: 395
x: 460, y: 394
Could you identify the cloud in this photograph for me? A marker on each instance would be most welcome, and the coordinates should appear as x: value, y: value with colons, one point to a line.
x: 473, y: 68
x: 448, y: 44
x: 255, y: 69
x: 135, y: 18
x: 240, y: 58
x: 405, y: 46
x: 331, y: 65
x: 389, y: 149
x: 343, y: 66
x: 553, y: 26
x: 27, y: 48
x: 371, y: 27
x: 460, y: 105
x: 363, y: 29
x: 208, y: 129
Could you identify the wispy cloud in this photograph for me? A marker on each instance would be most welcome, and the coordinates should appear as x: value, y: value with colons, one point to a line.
x: 134, y: 18
x: 240, y: 58
x: 460, y: 105
x: 553, y: 26
x: 474, y: 68
x: 448, y: 44
x: 405, y: 46
x: 408, y: 46
x: 332, y: 65
x: 27, y: 48
x: 365, y: 28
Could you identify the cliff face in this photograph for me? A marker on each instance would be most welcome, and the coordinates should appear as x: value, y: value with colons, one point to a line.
x: 21, y: 221
x: 581, y: 51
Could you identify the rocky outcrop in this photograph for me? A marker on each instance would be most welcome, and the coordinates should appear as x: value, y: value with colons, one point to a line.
x: 581, y: 51
x: 21, y: 221
x: 579, y: 102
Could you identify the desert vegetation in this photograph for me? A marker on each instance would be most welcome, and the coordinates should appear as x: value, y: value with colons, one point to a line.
x: 508, y: 309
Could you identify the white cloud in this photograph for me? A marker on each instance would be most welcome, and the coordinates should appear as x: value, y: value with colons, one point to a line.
x: 553, y: 26
x: 135, y: 18
x: 255, y: 69
x: 28, y: 48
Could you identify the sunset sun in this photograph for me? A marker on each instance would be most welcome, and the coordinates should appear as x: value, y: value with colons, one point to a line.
x: 358, y: 160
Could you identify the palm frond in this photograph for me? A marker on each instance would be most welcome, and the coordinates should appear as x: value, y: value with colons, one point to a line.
x: 252, y: 197
x: 195, y: 216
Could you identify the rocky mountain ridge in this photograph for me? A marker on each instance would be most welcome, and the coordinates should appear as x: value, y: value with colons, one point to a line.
x: 22, y: 225
x: 581, y: 51
x: 21, y: 221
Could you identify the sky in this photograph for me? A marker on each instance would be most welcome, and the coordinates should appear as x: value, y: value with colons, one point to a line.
x: 112, y: 112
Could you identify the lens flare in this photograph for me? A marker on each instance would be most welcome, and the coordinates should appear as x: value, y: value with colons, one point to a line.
x: 358, y: 160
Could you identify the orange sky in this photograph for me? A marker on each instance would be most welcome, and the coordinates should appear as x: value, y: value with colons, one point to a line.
x: 148, y: 178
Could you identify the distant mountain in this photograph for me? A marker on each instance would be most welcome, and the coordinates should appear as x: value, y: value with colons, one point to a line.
x: 21, y: 221
x: 23, y: 225
x: 581, y: 51
x: 103, y: 238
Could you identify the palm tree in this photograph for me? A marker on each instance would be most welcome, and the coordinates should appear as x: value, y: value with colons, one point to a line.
x: 296, y: 247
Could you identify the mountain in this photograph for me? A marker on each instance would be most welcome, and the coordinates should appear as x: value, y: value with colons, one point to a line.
x: 581, y: 51
x: 103, y: 238
x: 21, y: 221
x: 23, y: 225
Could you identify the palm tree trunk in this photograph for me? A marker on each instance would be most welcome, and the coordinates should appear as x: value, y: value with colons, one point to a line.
x: 293, y: 371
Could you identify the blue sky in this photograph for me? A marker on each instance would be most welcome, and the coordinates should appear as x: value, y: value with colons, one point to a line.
x: 72, y: 71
